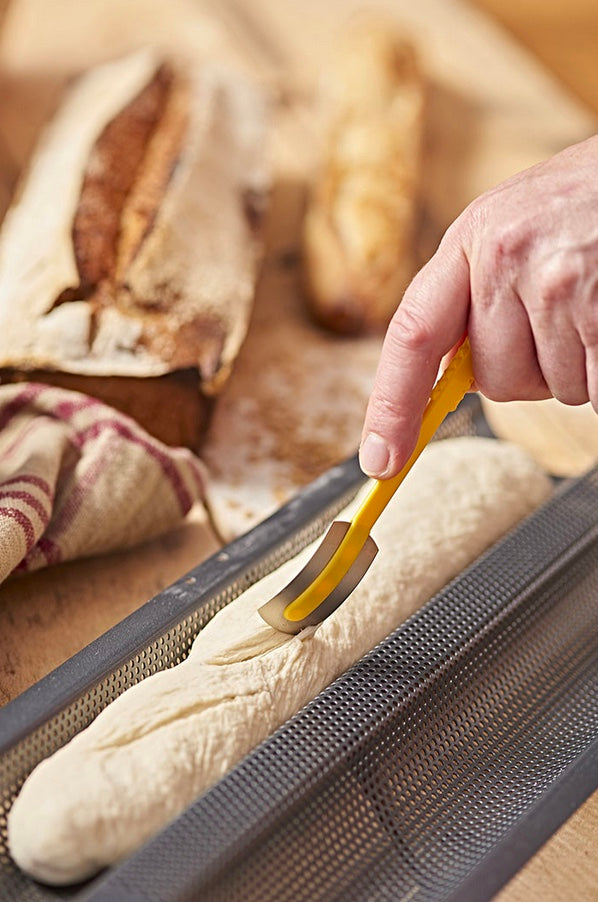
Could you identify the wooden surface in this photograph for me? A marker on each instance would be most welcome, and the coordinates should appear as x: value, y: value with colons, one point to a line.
x: 562, y: 35
x: 566, y: 868
x: 47, y: 616
x: 493, y: 111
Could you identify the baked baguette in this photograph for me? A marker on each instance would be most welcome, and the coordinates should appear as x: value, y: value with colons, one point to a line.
x: 359, y: 223
x: 128, y: 262
x: 164, y: 741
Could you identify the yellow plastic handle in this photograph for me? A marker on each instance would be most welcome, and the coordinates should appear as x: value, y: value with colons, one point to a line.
x: 448, y: 392
x: 450, y: 389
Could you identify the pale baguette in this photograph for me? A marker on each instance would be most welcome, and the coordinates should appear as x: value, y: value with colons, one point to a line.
x: 359, y: 224
x: 164, y: 741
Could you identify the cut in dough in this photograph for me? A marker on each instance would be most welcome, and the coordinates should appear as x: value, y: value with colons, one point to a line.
x: 164, y: 741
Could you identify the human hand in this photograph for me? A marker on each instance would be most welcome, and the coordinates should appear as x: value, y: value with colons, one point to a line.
x: 517, y: 271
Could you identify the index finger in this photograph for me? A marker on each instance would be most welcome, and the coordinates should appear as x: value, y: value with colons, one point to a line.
x: 430, y: 320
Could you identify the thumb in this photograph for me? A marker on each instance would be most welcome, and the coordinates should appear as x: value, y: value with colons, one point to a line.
x: 430, y: 320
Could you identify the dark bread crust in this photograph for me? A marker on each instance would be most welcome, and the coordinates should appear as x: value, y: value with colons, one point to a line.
x: 170, y: 407
x: 156, y: 233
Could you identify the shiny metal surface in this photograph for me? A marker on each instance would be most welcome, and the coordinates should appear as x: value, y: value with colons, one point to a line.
x: 273, y: 610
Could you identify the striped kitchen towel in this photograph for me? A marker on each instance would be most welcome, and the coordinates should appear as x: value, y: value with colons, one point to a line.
x: 77, y: 478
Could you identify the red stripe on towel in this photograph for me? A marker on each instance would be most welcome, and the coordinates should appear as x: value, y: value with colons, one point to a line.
x: 30, y: 480
x: 25, y: 397
x: 13, y: 513
x: 166, y: 464
x: 42, y: 512
x: 50, y: 550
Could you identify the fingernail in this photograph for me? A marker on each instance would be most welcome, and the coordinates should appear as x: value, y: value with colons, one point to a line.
x: 374, y: 456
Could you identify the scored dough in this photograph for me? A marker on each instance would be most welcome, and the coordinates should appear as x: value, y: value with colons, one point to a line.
x: 164, y: 741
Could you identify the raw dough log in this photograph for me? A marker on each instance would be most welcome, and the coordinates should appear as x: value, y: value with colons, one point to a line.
x: 164, y: 741
x: 360, y: 220
x: 128, y: 262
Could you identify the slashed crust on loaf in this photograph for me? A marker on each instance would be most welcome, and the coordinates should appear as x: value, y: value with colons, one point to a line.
x: 133, y: 247
x: 360, y: 219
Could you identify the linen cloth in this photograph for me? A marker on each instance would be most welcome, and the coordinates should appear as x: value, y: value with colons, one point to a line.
x: 77, y: 478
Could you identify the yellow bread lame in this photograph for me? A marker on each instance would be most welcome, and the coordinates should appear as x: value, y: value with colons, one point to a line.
x: 450, y: 389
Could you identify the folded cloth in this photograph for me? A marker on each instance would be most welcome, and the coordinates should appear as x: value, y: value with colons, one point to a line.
x: 77, y: 478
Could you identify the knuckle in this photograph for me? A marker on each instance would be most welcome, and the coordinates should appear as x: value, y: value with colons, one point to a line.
x: 558, y: 282
x: 410, y: 329
x: 457, y: 230
x: 503, y: 236
x: 468, y: 226
x: 475, y: 216
x: 508, y: 241
x: 384, y: 408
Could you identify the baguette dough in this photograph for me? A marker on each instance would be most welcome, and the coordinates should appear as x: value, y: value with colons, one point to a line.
x: 164, y: 741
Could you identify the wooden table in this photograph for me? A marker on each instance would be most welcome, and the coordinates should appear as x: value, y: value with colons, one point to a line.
x: 564, y: 38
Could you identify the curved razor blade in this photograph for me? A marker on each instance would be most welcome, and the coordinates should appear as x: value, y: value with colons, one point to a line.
x: 273, y: 611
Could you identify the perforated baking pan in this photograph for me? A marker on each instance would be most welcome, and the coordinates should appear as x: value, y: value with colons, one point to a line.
x: 432, y: 769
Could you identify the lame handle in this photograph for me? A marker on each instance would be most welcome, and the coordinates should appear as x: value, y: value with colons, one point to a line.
x: 450, y: 389
x: 456, y: 380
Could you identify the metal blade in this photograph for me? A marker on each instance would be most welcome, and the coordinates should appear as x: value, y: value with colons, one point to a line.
x: 273, y: 611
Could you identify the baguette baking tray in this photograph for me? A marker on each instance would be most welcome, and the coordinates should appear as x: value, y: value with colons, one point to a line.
x: 431, y: 770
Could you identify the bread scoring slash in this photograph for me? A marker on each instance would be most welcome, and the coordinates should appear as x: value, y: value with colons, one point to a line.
x: 129, y: 259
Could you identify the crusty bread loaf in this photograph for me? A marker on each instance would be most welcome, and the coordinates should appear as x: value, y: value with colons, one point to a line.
x: 128, y: 262
x: 359, y: 224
